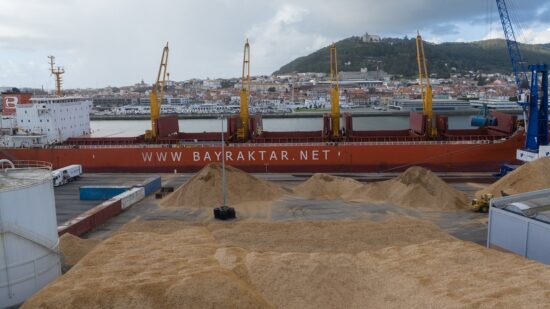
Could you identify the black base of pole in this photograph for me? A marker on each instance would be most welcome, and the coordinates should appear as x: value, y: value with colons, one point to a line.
x: 224, y: 213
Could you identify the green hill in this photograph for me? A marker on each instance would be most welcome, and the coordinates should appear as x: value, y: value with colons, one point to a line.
x: 398, y: 57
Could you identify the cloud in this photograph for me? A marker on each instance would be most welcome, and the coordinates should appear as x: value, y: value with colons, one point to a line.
x: 530, y: 35
x: 543, y: 14
x: 280, y: 39
x: 105, y: 42
x: 444, y: 29
x: 536, y: 36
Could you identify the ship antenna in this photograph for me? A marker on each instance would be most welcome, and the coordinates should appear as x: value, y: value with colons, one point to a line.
x: 57, y: 72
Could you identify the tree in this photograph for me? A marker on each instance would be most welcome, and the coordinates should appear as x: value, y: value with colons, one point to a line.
x: 481, y: 81
x: 227, y: 83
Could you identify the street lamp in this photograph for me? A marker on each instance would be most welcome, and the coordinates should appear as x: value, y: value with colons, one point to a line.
x: 224, y: 188
x: 223, y: 212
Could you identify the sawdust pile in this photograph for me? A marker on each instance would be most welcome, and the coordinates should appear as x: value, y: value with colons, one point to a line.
x: 534, y: 175
x: 205, y: 189
x: 185, y: 266
x: 175, y: 268
x: 326, y: 236
x: 435, y: 274
x: 416, y: 187
x: 75, y: 248
x: 324, y: 186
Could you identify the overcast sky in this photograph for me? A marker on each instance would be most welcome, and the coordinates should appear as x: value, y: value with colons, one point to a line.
x: 119, y: 42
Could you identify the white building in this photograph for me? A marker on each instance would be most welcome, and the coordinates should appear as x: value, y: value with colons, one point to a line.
x: 367, y: 38
x: 316, y: 103
x: 56, y: 118
x: 211, y: 84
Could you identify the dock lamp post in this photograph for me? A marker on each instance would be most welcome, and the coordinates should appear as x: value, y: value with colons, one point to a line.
x: 224, y: 212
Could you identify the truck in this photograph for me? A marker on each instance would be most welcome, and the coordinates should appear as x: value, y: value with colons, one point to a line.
x: 66, y: 174
x: 482, y: 204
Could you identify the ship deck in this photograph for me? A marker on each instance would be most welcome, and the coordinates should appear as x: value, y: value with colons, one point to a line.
x: 459, y: 140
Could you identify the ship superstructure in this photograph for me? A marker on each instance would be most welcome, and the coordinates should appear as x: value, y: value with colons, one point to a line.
x: 42, y: 121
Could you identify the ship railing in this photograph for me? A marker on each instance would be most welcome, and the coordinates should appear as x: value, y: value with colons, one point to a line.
x: 472, y: 142
x: 366, y: 141
x: 25, y: 164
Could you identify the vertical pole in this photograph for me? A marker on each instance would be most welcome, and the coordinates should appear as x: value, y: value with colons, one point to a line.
x: 334, y: 93
x: 543, y: 111
x: 531, y: 141
x: 223, y: 169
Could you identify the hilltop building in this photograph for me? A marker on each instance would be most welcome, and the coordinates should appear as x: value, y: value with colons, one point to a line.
x: 367, y: 38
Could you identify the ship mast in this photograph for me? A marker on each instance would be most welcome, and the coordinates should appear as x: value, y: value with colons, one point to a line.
x: 57, y: 72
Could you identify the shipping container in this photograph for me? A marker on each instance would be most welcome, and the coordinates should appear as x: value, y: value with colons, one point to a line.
x: 151, y: 185
x: 106, y: 211
x: 96, y: 193
x: 131, y: 197
x: 86, y: 221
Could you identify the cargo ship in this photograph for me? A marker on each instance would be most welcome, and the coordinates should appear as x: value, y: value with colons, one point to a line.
x: 57, y: 130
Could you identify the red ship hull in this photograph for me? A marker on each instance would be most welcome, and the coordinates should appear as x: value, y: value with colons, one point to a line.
x: 474, y: 156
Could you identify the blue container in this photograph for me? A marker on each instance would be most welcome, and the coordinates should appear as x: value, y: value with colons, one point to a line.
x: 151, y: 184
x: 96, y: 193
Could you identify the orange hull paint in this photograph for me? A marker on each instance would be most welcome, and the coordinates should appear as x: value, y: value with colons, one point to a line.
x: 345, y: 157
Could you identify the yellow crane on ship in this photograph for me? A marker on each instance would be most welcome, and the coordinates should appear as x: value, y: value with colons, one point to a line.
x: 156, y: 98
x: 57, y: 72
x: 242, y: 132
x: 426, y: 94
x: 334, y: 94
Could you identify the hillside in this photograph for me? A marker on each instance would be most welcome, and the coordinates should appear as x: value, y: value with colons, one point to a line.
x: 398, y: 56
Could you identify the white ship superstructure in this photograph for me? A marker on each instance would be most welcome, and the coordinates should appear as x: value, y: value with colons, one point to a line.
x: 496, y: 103
x: 49, y: 120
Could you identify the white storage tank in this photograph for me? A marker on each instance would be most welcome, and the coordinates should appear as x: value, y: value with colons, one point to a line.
x: 29, y: 257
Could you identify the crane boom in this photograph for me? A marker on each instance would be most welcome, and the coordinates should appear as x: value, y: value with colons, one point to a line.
x: 334, y: 93
x: 426, y: 95
x: 518, y: 65
x: 242, y: 132
x: 155, y: 98
x: 535, y: 108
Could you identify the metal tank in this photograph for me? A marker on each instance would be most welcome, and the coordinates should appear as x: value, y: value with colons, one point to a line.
x: 29, y: 257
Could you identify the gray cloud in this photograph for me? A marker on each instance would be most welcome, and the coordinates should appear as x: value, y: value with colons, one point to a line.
x: 444, y: 29
x: 105, y: 42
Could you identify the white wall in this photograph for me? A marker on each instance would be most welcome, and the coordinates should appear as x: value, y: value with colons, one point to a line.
x: 58, y: 118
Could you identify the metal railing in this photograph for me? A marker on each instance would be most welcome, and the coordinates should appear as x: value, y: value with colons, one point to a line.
x: 467, y: 140
x: 25, y: 164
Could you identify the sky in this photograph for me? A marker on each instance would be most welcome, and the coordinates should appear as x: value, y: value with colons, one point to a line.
x: 119, y: 42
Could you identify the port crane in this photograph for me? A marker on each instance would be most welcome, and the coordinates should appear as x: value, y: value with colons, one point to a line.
x: 156, y: 98
x: 242, y: 132
x: 425, y: 92
x: 334, y: 94
x: 535, y: 103
x: 57, y: 72
x: 518, y: 65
